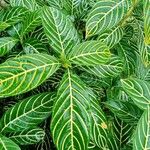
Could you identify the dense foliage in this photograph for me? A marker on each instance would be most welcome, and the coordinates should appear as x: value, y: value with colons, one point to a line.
x: 75, y: 74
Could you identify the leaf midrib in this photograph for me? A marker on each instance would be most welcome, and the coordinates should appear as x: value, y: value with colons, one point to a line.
x: 106, y: 15
x: 24, y: 114
x: 30, y: 70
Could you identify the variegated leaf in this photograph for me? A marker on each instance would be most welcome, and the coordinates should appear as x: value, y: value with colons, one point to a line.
x: 7, y: 144
x: 19, y: 75
x: 111, y: 69
x: 141, y: 140
x: 138, y: 90
x: 106, y: 14
x: 89, y: 53
x: 27, y: 113
x: 59, y: 30
x: 70, y: 118
x: 6, y: 44
x: 26, y: 137
x: 112, y: 36
x: 29, y: 4
x: 147, y: 21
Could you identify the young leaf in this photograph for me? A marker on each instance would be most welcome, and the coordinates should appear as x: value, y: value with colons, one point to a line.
x: 105, y: 15
x: 19, y: 75
x: 6, y: 44
x: 26, y: 137
x: 89, y: 53
x: 59, y: 30
x: 7, y: 144
x: 29, y: 4
x: 70, y: 118
x: 141, y: 140
x: 147, y: 21
x: 138, y: 90
x: 27, y: 113
x: 111, y: 69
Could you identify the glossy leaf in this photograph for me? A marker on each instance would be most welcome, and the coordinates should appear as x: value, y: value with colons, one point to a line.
x: 70, y: 119
x: 138, y: 90
x: 89, y: 53
x: 7, y: 144
x: 59, y: 30
x: 105, y: 15
x: 19, y: 75
x: 26, y: 137
x: 111, y: 69
x: 29, y: 4
x: 36, y: 109
x: 6, y: 44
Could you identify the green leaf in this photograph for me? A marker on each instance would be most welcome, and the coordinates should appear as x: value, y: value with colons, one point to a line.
x: 27, y: 113
x: 99, y: 127
x: 19, y: 75
x: 70, y: 118
x: 29, y: 4
x: 105, y: 15
x: 127, y: 51
x: 32, y: 45
x: 147, y: 21
x: 122, y: 132
x: 6, y: 44
x: 11, y: 16
x: 7, y: 144
x: 111, y: 69
x: 141, y: 140
x: 138, y: 90
x: 125, y: 111
x: 14, y: 31
x: 31, y: 21
x: 112, y: 36
x: 26, y: 137
x: 59, y: 30
x: 89, y: 53
x: 76, y: 8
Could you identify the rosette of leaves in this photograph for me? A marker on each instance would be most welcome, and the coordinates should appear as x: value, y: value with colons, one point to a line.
x: 76, y: 72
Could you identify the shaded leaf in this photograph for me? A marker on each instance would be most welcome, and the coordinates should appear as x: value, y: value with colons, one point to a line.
x: 7, y: 144
x: 36, y: 109
x: 6, y: 44
x: 26, y: 137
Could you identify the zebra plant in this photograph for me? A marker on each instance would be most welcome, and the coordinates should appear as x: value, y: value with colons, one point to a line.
x: 75, y: 74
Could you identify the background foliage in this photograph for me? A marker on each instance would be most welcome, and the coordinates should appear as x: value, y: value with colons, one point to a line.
x: 75, y: 74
